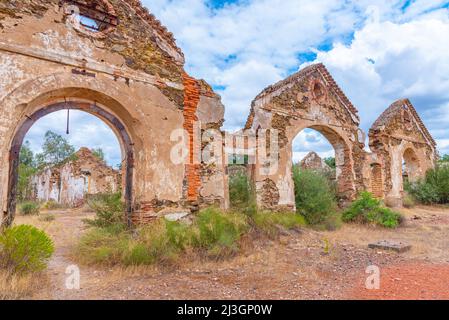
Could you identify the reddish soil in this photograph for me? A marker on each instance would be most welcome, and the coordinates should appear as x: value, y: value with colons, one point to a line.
x: 409, y: 281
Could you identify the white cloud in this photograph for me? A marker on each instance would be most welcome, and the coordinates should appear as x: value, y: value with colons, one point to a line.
x: 387, y: 61
x: 311, y: 140
x: 85, y: 131
x: 245, y: 46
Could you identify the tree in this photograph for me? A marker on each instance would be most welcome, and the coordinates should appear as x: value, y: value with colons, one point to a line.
x: 55, y: 150
x: 26, y: 156
x: 99, y: 153
x: 330, y: 161
x: 445, y: 158
x: 27, y: 168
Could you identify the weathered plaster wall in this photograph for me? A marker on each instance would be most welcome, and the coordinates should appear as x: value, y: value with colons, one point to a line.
x: 70, y: 182
x: 134, y: 72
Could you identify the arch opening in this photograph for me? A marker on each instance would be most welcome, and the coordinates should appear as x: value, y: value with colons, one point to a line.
x: 410, y: 166
x: 376, y: 180
x: 93, y: 108
x: 322, y: 149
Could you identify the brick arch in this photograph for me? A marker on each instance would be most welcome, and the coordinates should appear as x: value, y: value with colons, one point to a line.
x: 399, y: 134
x: 412, y: 166
x: 344, y: 169
x: 308, y: 99
x: 91, y: 107
x: 138, y: 113
x: 376, y: 180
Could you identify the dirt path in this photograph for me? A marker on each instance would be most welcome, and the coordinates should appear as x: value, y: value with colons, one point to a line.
x: 302, y: 265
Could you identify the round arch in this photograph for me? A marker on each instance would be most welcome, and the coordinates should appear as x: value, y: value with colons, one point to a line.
x: 343, y: 159
x: 411, y: 168
x: 91, y: 107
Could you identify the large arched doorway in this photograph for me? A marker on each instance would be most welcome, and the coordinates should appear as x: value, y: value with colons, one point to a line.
x: 334, y: 155
x: 93, y: 108
x: 410, y: 166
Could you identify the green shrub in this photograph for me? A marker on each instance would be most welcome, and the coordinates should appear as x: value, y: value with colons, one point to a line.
x: 408, y: 201
x: 47, y: 218
x: 314, y: 196
x: 423, y: 192
x: 367, y: 209
x: 51, y: 205
x: 219, y: 233
x: 103, y: 246
x: 25, y: 249
x: 109, y: 210
x: 29, y: 208
x: 433, y: 189
x: 239, y: 190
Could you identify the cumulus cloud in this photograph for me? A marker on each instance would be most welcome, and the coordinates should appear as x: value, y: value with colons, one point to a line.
x: 245, y: 46
x: 310, y: 140
x: 85, y: 131
x: 395, y: 49
x: 378, y: 53
x: 388, y: 61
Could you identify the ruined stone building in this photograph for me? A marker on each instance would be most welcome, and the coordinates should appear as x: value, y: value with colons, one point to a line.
x: 312, y: 99
x: 312, y: 161
x: 114, y: 59
x: 72, y: 181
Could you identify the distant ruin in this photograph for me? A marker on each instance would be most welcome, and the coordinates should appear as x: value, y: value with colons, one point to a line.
x: 312, y: 161
x: 125, y: 68
x: 71, y: 182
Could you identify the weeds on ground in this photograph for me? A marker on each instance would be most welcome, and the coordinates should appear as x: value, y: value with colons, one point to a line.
x: 15, y: 286
x: 214, y: 234
x: 29, y: 208
x: 51, y: 205
x: 408, y: 201
x: 47, y: 217
x: 367, y: 209
x: 271, y: 223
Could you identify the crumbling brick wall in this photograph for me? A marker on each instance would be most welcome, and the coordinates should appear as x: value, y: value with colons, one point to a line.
x: 399, y: 137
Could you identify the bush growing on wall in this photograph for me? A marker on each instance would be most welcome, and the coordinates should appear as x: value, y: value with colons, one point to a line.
x: 314, y: 195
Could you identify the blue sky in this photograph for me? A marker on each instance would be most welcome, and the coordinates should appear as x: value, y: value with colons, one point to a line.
x: 378, y: 51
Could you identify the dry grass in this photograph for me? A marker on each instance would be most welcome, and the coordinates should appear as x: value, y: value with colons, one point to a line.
x: 16, y: 287
x: 292, y: 266
x: 425, y: 229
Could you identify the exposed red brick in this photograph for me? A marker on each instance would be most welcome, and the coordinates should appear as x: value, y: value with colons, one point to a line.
x: 191, y: 100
